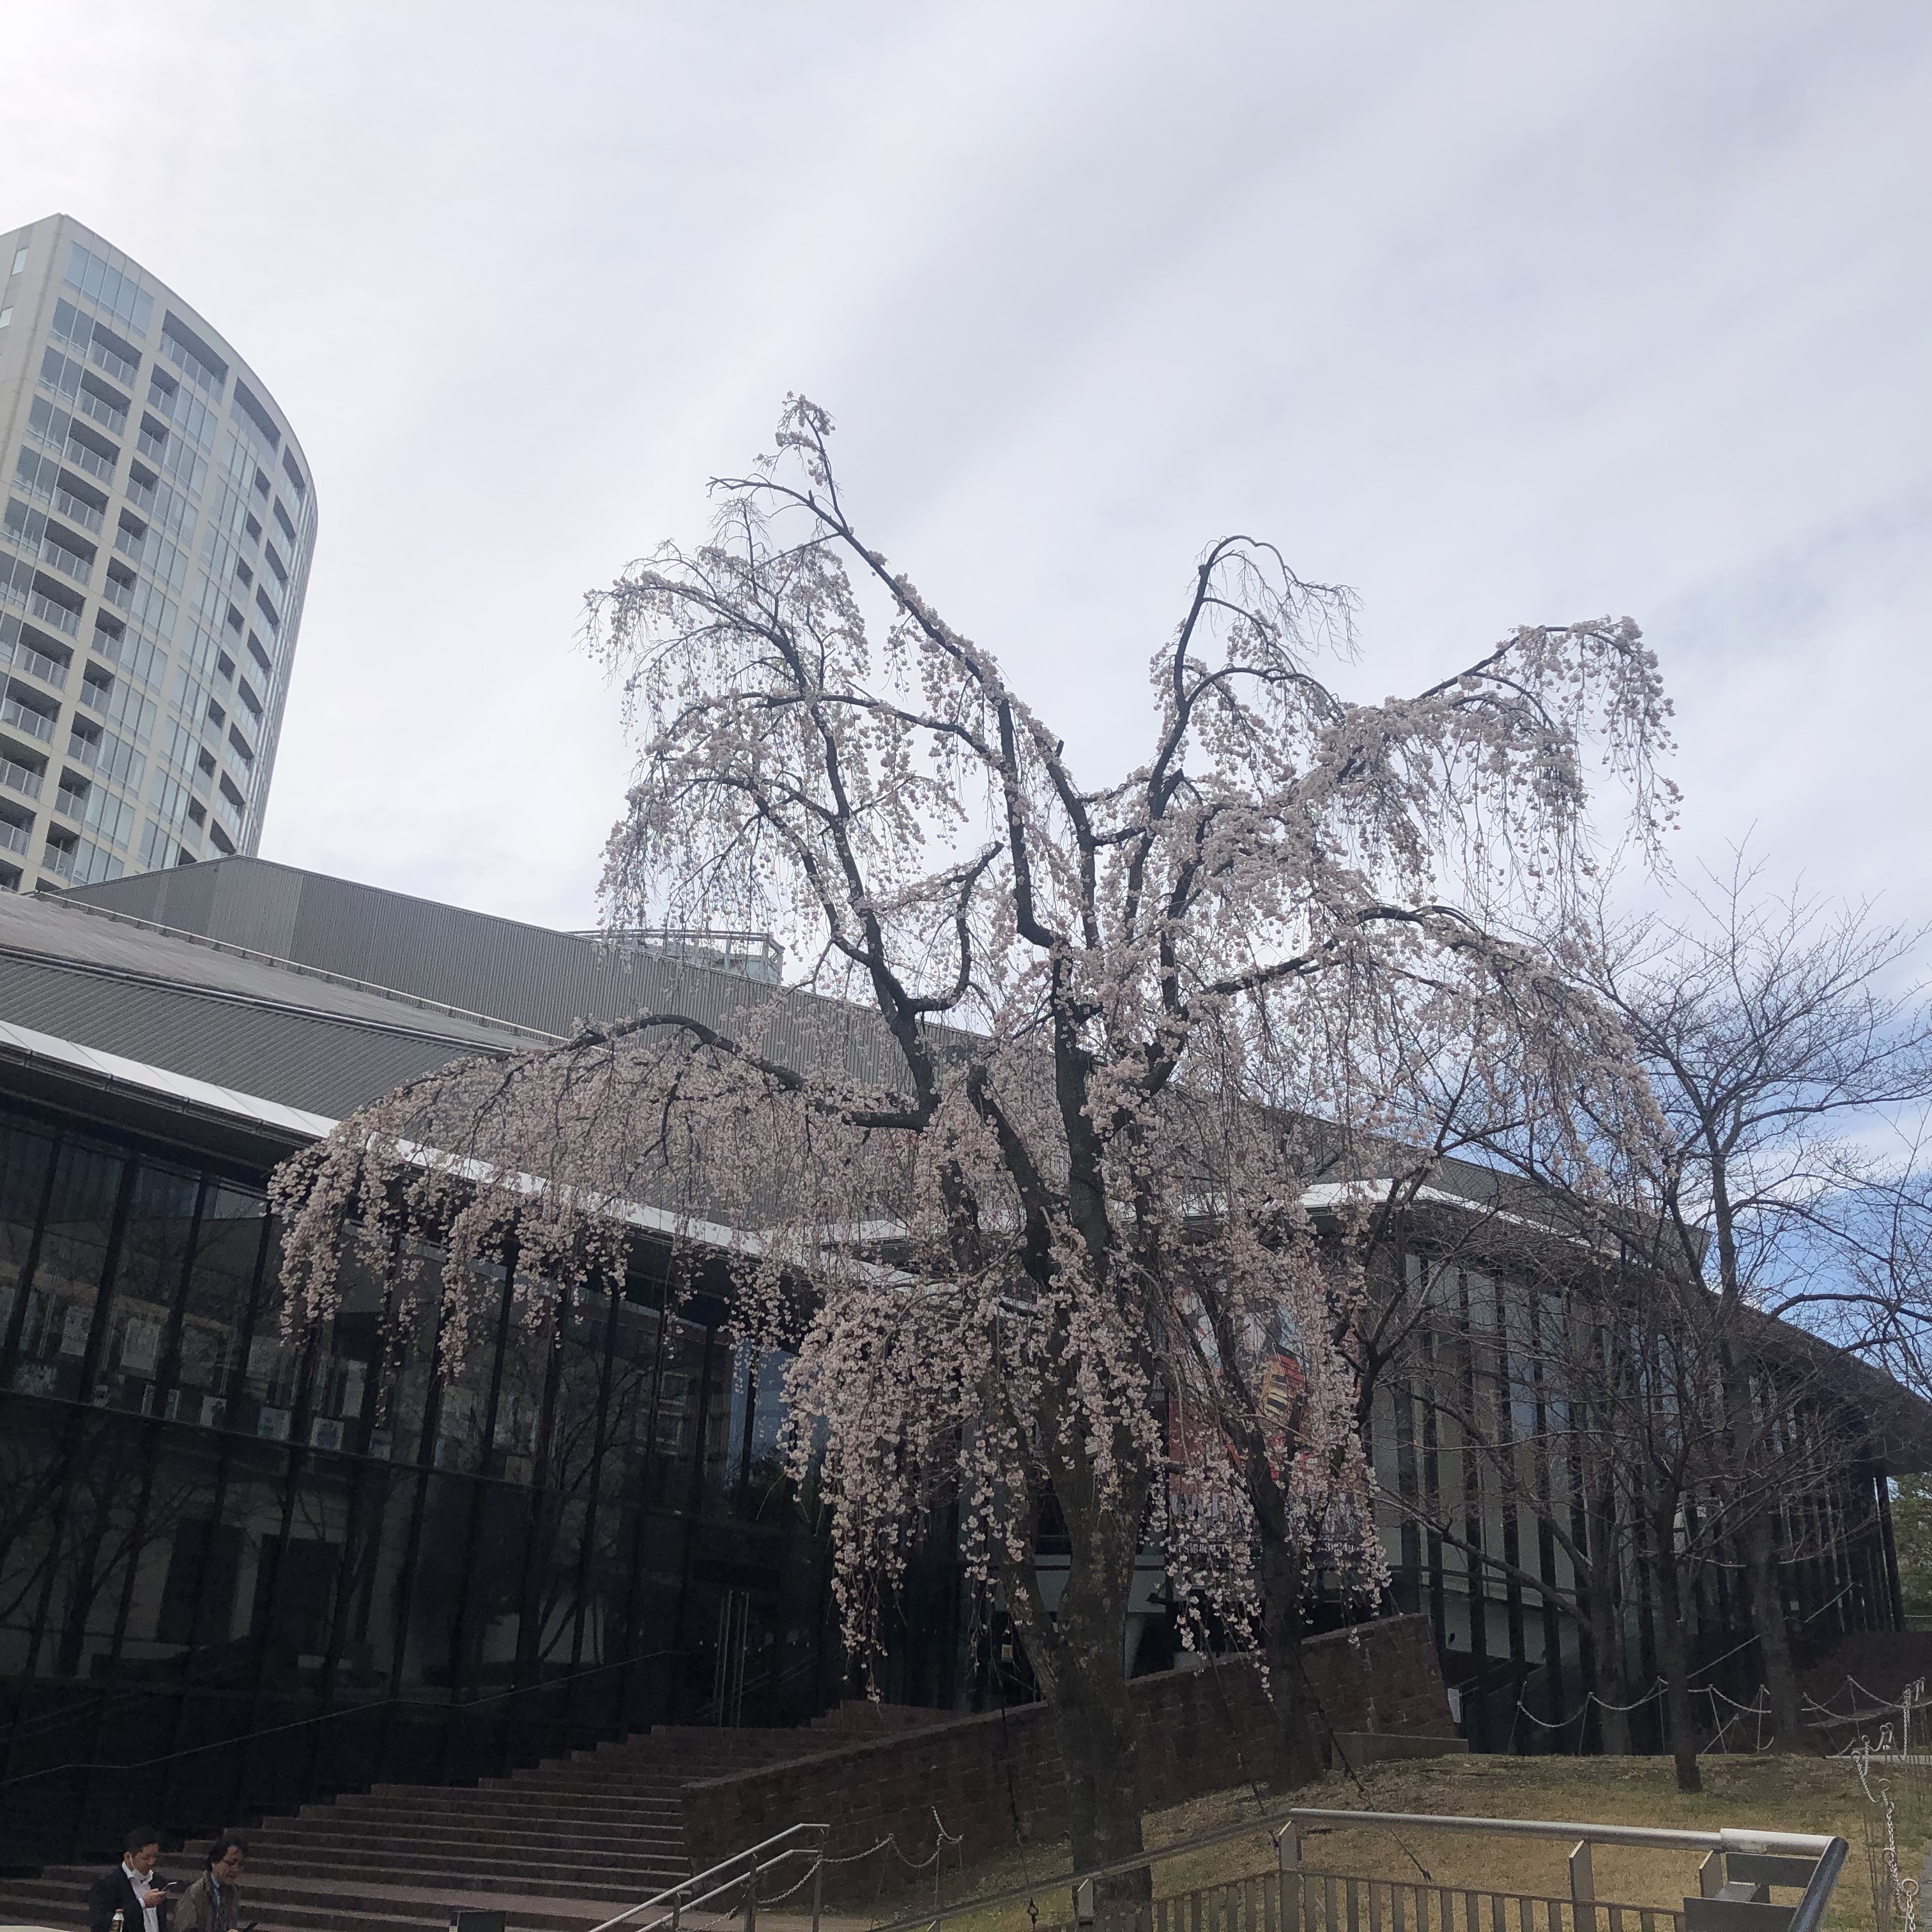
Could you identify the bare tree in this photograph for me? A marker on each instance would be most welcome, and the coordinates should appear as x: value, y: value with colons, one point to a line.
x: 1778, y: 1041
x: 1086, y: 994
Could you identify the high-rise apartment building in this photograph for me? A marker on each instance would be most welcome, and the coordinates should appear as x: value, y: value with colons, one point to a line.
x: 159, y: 519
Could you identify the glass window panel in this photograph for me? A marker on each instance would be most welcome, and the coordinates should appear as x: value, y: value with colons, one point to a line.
x: 463, y: 1418
x: 29, y: 1463
x: 250, y: 1522
x: 148, y: 1279
x: 103, y: 1533
x: 215, y: 1314
x: 377, y: 1554
x: 437, y: 1587
x: 407, y: 1333
x: 57, y: 1316
x: 24, y: 1155
x: 184, y: 1553
x: 531, y: 1345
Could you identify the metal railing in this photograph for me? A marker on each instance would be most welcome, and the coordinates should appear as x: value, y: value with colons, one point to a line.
x: 1734, y: 1880
x: 20, y: 777
x: 35, y: 723
x: 742, y: 1873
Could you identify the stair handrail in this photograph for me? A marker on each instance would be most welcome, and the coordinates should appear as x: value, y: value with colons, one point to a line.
x: 1807, y: 1915
x: 679, y: 1902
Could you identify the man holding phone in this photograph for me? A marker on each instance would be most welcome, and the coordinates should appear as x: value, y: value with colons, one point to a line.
x: 131, y: 1888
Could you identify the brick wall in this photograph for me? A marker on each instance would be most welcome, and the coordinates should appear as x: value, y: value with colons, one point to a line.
x: 987, y: 1776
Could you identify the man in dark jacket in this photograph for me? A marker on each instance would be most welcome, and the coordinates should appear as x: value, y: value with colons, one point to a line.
x: 131, y: 1888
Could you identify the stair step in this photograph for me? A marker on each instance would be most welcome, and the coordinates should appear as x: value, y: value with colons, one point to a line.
x: 308, y: 1836
x: 558, y: 1846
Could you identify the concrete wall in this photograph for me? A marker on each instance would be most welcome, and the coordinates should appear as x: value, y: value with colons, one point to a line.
x: 990, y: 1778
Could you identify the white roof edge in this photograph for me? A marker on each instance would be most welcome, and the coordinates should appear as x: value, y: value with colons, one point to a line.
x: 24, y: 1043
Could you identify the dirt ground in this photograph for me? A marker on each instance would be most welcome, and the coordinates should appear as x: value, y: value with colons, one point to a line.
x: 1791, y: 1794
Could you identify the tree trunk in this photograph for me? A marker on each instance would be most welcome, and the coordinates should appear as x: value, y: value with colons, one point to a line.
x: 1674, y: 1650
x: 1607, y: 1624
x: 1298, y: 1752
x: 1085, y: 1651
x: 1774, y: 1636
x: 1612, y: 1685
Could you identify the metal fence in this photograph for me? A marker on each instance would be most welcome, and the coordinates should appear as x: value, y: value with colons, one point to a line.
x: 1311, y: 1900
x: 1740, y: 1871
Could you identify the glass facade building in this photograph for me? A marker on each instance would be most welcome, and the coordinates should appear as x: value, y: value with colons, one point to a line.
x: 157, y: 527
x: 240, y: 1572
x: 244, y: 1573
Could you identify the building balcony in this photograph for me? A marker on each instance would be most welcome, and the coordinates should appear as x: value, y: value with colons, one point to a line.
x: 20, y: 779
x: 25, y: 718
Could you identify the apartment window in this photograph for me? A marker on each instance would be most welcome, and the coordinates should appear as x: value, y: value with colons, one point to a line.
x: 29, y: 710
x: 15, y: 826
x: 34, y: 652
x: 276, y: 564
x: 119, y: 702
x: 16, y: 578
x: 6, y: 321
x: 136, y: 656
x: 158, y: 849
x: 106, y: 753
x: 240, y: 746
x: 19, y: 260
x: 97, y: 341
x: 248, y: 409
x: 36, y: 475
x: 81, y: 501
x: 109, y: 818
x: 92, y: 862
x: 59, y: 432
x: 196, y: 359
x: 90, y: 396
x: 264, y: 663
x: 288, y: 527
x: 186, y: 412
x: 22, y: 771
x: 52, y: 543
x: 108, y: 288
x: 294, y: 476
x: 253, y: 703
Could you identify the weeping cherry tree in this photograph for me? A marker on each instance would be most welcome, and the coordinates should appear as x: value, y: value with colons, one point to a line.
x: 1043, y: 1270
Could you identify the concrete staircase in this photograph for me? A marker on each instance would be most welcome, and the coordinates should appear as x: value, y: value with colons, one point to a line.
x: 559, y: 1847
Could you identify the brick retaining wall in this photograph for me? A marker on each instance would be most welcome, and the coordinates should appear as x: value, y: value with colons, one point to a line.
x: 1199, y: 1730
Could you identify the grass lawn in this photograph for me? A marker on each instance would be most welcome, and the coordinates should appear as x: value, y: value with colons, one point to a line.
x: 1791, y: 1794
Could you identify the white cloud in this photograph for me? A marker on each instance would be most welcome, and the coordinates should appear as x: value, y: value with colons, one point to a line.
x: 1501, y: 313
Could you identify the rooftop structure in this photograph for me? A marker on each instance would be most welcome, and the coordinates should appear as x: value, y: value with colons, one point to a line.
x: 158, y: 524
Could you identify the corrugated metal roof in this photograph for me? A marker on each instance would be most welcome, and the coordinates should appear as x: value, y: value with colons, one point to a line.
x: 525, y: 974
x: 43, y: 926
x: 294, y: 1038
x: 23, y: 1044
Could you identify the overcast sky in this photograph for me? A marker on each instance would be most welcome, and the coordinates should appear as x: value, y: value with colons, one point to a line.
x: 1499, y: 313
